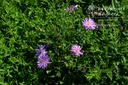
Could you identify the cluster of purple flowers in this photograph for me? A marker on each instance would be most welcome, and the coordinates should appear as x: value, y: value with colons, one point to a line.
x: 88, y: 23
x: 43, y: 59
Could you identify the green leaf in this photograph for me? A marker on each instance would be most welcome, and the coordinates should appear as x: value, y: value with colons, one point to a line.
x: 109, y: 74
x: 105, y: 8
x: 113, y: 3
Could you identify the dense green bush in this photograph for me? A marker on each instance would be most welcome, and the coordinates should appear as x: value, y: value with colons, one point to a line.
x: 27, y: 24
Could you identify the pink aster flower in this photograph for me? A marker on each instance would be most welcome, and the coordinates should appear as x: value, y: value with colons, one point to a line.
x: 76, y: 49
x: 43, y: 61
x: 89, y: 24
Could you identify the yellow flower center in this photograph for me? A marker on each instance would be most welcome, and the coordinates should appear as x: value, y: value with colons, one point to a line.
x: 43, y: 61
x: 78, y: 50
x: 89, y: 23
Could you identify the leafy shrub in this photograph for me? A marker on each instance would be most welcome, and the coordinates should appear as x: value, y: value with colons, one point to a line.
x: 26, y: 24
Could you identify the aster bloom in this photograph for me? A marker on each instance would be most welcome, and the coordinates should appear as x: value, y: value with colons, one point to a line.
x: 76, y: 49
x: 114, y: 70
x: 72, y: 8
x: 89, y: 24
x: 59, y: 35
x: 41, y: 50
x: 43, y: 61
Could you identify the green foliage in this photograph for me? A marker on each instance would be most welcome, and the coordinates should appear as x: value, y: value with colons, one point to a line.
x: 26, y: 24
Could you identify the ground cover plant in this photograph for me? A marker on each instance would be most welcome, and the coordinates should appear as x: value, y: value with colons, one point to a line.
x: 63, y: 42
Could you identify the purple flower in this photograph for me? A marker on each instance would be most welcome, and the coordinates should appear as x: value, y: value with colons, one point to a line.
x: 43, y: 61
x: 59, y: 35
x: 89, y: 24
x: 76, y: 50
x: 41, y: 50
x: 72, y: 8
x: 114, y: 70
